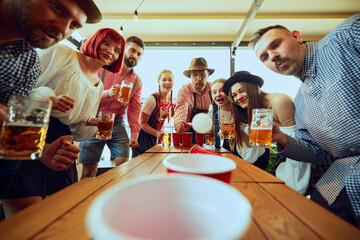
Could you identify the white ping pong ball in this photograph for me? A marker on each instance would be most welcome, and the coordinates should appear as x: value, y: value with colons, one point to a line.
x: 202, y: 123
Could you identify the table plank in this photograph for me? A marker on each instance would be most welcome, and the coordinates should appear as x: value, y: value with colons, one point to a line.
x: 48, y: 210
x: 159, y: 148
x: 325, y: 223
x: 75, y: 218
x: 276, y: 221
x: 254, y: 172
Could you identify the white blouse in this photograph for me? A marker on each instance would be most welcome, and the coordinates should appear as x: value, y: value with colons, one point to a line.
x: 150, y: 104
x: 61, y: 74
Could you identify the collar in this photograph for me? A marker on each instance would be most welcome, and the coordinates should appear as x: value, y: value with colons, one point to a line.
x: 309, y: 67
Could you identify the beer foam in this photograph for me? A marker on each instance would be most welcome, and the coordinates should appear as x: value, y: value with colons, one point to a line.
x: 22, y: 124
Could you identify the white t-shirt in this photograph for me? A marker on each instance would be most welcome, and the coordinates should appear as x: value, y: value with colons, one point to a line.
x: 61, y: 74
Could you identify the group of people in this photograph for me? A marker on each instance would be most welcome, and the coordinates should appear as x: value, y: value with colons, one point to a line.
x: 317, y: 136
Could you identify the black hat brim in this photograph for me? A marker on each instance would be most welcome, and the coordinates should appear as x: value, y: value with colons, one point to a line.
x: 242, y: 77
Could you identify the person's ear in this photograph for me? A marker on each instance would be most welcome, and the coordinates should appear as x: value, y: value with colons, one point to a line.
x: 297, y: 36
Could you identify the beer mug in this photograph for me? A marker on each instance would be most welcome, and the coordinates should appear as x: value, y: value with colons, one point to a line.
x: 125, y: 91
x: 23, y: 135
x: 210, y: 137
x: 166, y: 138
x: 261, y: 127
x: 228, y: 127
x: 105, y: 125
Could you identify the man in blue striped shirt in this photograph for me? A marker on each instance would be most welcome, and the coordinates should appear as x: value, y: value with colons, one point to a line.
x: 327, y: 107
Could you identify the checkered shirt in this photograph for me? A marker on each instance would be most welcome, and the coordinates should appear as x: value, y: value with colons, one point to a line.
x: 328, y: 111
x: 19, y: 69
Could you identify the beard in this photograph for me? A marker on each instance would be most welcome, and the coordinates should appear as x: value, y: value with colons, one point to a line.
x: 128, y: 63
x: 29, y: 31
x: 199, y: 86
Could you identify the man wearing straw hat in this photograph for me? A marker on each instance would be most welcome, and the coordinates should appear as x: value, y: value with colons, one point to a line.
x: 193, y: 97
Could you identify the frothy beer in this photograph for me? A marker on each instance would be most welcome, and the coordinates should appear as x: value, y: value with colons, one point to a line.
x: 124, y: 95
x: 210, y: 139
x: 228, y: 130
x: 260, y: 137
x: 21, y: 141
x: 104, y: 130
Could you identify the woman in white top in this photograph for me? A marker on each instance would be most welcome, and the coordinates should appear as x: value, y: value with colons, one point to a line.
x: 156, y: 109
x: 69, y: 78
x: 244, y: 91
x: 221, y: 107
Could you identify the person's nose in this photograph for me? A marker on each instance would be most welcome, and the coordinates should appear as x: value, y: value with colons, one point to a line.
x: 111, y: 50
x: 274, y: 56
x: 236, y: 97
x: 64, y: 28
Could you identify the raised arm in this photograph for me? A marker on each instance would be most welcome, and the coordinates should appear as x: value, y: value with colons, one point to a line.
x: 182, y: 110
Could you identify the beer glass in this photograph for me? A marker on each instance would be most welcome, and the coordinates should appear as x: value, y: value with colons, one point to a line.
x: 261, y: 127
x: 210, y: 137
x: 23, y: 135
x: 105, y: 125
x: 166, y: 139
x: 125, y: 91
x: 228, y: 127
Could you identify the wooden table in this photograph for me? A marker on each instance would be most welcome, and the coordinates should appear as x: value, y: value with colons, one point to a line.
x: 278, y: 212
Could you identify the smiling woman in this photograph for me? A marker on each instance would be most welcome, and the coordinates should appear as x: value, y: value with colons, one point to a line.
x: 69, y: 78
x: 156, y: 109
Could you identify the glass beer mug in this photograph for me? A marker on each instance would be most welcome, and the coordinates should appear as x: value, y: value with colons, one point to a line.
x: 125, y: 91
x: 105, y: 125
x: 23, y: 135
x: 261, y: 127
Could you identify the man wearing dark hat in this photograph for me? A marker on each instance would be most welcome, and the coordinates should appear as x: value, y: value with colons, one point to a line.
x: 193, y: 97
x: 26, y: 25
x: 327, y: 107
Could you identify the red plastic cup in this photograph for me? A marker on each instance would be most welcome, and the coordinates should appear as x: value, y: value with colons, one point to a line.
x: 186, y: 139
x: 176, y: 138
x: 199, y: 138
x: 201, y: 150
x: 217, y: 167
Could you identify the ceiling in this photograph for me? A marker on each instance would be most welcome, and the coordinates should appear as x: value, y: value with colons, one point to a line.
x: 219, y: 20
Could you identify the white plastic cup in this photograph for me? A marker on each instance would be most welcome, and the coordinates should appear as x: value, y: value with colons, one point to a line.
x: 169, y: 207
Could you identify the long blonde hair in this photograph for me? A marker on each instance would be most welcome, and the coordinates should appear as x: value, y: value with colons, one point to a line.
x: 243, y: 115
x: 172, y: 111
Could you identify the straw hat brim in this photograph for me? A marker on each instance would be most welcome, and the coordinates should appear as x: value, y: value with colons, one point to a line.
x: 188, y: 72
x: 92, y: 11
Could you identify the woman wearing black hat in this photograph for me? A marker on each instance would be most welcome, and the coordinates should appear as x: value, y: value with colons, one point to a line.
x: 245, y: 94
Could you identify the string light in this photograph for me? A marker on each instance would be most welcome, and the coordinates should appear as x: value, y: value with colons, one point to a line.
x: 135, y: 17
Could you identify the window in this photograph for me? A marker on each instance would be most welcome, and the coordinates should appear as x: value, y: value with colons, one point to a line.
x: 177, y: 59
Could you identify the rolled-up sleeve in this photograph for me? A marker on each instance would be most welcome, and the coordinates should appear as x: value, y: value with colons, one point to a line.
x: 184, y: 98
x: 133, y: 111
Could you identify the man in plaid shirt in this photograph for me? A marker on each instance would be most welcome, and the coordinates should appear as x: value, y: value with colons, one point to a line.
x: 327, y: 107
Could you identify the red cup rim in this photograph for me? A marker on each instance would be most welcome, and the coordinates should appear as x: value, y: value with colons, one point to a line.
x: 181, y: 164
